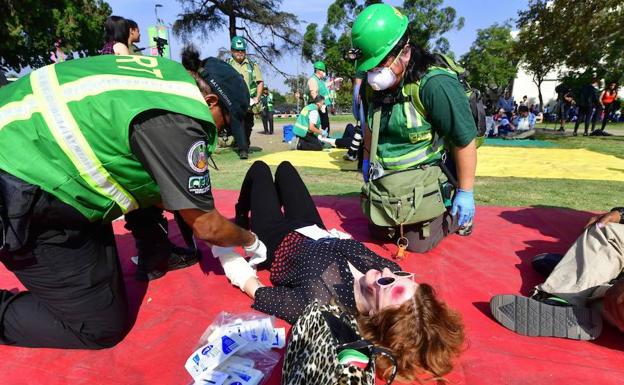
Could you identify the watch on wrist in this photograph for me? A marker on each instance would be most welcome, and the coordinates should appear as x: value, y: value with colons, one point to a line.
x: 620, y: 210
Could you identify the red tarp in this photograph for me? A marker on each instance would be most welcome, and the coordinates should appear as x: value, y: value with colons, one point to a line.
x: 172, y: 312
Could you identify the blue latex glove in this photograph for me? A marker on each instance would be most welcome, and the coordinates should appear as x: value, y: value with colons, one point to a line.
x: 324, y: 133
x: 365, y: 169
x: 463, y: 206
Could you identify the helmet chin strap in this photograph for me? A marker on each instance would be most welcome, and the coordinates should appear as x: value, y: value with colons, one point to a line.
x: 401, y: 62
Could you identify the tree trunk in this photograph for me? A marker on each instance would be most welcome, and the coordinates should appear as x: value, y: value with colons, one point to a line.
x: 539, y: 93
x: 232, y: 19
x: 538, y: 81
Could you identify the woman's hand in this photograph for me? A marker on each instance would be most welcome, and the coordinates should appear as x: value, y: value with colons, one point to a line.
x: 602, y: 220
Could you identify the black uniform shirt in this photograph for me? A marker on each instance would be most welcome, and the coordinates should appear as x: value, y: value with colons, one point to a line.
x: 172, y: 148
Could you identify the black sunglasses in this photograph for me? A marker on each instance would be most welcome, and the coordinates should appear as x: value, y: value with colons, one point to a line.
x: 385, y: 281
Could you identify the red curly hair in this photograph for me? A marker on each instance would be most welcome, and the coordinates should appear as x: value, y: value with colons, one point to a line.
x: 424, y: 335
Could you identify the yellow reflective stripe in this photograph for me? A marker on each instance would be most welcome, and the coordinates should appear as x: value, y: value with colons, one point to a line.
x: 19, y: 110
x: 68, y: 136
x: 97, y: 84
x: 415, y: 155
x: 407, y: 161
x: 411, y: 114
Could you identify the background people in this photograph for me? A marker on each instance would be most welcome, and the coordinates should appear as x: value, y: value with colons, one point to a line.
x: 608, y: 102
x: 507, y: 103
x: 134, y: 37
x: 564, y: 102
x: 117, y: 34
x: 588, y: 106
x: 308, y: 126
x: 316, y: 86
x: 266, y: 102
x: 250, y: 71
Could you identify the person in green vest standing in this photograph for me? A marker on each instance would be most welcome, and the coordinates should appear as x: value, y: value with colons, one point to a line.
x: 266, y: 102
x: 422, y: 116
x: 100, y: 137
x: 250, y: 71
x: 316, y: 86
x: 308, y: 126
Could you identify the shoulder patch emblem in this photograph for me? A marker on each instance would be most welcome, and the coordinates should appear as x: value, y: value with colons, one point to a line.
x: 197, y: 158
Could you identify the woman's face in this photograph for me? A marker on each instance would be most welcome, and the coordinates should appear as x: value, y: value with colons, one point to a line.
x: 371, y: 296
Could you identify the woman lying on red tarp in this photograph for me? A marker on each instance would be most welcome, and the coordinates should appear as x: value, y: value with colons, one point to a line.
x: 309, y: 264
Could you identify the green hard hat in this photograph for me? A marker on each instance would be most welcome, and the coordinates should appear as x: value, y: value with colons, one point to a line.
x: 239, y: 44
x: 375, y: 32
x: 319, y: 65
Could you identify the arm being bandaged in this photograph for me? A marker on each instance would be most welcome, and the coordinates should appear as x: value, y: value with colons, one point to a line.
x: 234, y: 265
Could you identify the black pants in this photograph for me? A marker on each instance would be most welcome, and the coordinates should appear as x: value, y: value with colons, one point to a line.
x: 267, y: 121
x: 277, y: 208
x: 421, y: 237
x: 249, y: 122
x: 585, y: 115
x: 608, y: 108
x: 149, y: 228
x: 309, y: 143
x: 350, y: 138
x: 325, y: 119
x: 242, y: 134
x: 76, y: 296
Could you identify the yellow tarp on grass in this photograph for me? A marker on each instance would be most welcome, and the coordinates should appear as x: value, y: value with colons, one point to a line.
x: 553, y: 163
x: 329, y: 159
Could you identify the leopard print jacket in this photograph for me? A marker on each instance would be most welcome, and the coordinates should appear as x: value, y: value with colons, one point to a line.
x: 311, y: 356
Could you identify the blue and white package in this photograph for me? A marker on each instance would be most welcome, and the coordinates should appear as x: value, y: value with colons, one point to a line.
x: 242, y: 375
x: 259, y: 332
x: 212, y: 377
x: 212, y: 354
x: 249, y: 363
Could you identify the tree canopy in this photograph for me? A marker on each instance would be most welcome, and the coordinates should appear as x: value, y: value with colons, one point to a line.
x: 490, y: 62
x: 29, y: 30
x: 268, y: 30
x: 593, y: 45
x: 428, y: 22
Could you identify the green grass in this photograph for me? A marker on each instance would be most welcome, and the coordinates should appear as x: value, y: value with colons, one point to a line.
x: 494, y: 191
x: 575, y: 194
x: 319, y: 181
x: 609, y: 145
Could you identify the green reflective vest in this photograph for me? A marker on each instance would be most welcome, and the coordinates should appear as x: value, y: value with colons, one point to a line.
x: 250, y: 78
x: 322, y: 90
x: 267, y: 102
x: 406, y: 138
x: 303, y: 121
x: 65, y: 128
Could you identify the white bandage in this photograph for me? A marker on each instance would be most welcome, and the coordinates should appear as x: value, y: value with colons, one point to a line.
x: 257, y: 252
x: 234, y: 265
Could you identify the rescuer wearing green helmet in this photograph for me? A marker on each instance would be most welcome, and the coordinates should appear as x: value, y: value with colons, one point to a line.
x: 100, y: 137
x: 422, y: 116
x: 316, y: 86
x: 250, y: 71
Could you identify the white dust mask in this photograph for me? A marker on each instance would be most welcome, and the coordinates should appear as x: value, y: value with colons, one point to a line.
x: 381, y: 78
